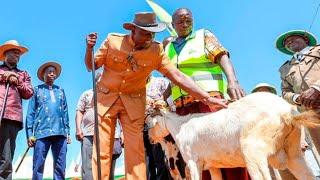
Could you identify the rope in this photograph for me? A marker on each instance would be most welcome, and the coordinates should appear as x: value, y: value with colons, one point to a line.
x: 314, y: 17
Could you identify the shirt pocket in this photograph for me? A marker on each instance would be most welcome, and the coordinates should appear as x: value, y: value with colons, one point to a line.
x: 294, y: 79
x: 315, y: 65
x: 116, y: 61
x: 144, y: 65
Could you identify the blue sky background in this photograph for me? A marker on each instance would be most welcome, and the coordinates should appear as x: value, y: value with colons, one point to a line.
x: 56, y: 30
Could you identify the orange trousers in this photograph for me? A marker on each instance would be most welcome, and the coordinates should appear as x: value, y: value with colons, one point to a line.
x: 135, y: 167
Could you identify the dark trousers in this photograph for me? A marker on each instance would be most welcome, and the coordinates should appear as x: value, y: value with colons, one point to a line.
x: 8, y: 134
x: 113, y: 165
x: 160, y: 164
x: 58, y: 146
x: 156, y: 165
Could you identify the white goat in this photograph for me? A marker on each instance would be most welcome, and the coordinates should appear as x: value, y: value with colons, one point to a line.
x: 255, y: 131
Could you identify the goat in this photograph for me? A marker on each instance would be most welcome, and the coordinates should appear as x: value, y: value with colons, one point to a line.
x: 255, y: 131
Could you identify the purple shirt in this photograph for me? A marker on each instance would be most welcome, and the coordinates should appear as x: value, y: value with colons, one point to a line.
x: 13, y: 109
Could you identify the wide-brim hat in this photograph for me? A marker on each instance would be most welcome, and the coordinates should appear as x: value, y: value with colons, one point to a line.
x: 11, y: 44
x: 146, y: 21
x: 266, y: 85
x: 43, y: 67
x: 312, y: 41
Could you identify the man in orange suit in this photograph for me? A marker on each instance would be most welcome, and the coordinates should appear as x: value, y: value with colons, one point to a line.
x: 128, y: 60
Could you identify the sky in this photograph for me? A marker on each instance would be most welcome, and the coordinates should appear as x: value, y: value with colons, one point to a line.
x: 56, y: 31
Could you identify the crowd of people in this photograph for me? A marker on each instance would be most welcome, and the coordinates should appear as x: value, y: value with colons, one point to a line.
x: 194, y: 65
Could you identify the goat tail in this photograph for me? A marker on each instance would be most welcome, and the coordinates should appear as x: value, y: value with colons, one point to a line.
x: 309, y: 119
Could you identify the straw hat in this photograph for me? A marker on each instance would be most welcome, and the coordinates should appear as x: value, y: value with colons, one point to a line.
x: 44, y: 66
x: 11, y: 44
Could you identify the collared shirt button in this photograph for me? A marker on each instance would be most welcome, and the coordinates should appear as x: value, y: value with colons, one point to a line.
x: 128, y: 70
x: 123, y: 81
x: 120, y: 93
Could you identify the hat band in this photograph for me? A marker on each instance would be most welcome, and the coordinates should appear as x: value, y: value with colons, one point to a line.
x: 147, y: 25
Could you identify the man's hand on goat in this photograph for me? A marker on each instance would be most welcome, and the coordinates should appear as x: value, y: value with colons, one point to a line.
x: 235, y: 91
x: 310, y: 98
x: 212, y: 101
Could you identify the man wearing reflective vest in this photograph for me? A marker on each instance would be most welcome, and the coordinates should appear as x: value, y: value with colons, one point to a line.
x: 200, y: 56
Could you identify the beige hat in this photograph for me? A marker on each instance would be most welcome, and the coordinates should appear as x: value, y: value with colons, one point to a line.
x: 270, y: 87
x: 44, y: 66
x: 11, y: 44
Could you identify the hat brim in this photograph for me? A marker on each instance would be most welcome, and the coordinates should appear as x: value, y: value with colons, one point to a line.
x: 280, y: 40
x: 7, y: 47
x: 43, y: 67
x: 158, y: 28
x: 271, y: 89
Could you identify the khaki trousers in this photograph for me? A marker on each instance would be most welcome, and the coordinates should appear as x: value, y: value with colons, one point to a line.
x: 135, y: 167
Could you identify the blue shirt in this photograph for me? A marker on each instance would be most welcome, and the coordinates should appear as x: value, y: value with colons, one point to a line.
x: 47, y: 113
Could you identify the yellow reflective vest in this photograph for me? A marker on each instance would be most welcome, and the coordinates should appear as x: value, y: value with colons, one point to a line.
x: 193, y: 62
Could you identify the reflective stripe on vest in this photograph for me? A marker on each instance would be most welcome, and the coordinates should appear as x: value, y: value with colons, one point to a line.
x: 192, y: 61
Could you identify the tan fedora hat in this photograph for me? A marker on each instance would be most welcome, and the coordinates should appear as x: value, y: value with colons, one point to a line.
x: 44, y: 66
x: 146, y: 21
x: 11, y: 44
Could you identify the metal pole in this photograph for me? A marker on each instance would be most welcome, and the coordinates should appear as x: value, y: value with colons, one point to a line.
x: 4, y: 102
x: 28, y: 148
x: 24, y: 155
x: 96, y: 125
